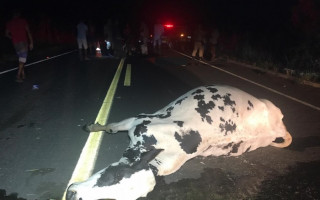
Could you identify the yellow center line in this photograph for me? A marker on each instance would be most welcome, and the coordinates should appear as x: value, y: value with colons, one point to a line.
x: 88, y: 156
x: 127, y: 80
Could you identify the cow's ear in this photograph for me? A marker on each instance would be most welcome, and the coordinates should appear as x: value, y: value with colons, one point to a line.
x: 146, y: 157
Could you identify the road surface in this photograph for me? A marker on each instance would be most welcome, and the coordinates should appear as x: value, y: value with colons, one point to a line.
x: 41, y: 137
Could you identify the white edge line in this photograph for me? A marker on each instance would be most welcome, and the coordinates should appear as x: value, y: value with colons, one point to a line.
x: 36, y: 62
x: 258, y: 84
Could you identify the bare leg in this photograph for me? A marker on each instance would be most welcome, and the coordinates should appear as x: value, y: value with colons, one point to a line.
x: 20, y: 75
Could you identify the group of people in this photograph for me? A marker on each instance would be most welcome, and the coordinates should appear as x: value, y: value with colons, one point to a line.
x: 201, y: 39
x: 17, y: 29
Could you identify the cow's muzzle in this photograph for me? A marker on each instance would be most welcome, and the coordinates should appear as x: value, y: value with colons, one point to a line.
x: 287, y: 139
x: 71, y: 195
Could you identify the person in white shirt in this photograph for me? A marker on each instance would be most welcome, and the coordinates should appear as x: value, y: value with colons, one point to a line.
x: 82, y: 30
x: 158, y: 31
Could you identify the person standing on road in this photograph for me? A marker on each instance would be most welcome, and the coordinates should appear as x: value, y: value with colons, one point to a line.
x: 214, y: 36
x: 199, y: 40
x: 158, y: 31
x: 17, y: 29
x: 144, y: 34
x: 91, y: 38
x: 82, y: 30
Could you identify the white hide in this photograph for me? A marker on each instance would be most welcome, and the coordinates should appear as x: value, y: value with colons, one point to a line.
x: 239, y: 123
x: 138, y: 185
x: 257, y: 127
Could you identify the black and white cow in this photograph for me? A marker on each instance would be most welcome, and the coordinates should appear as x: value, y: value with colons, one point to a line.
x: 210, y: 120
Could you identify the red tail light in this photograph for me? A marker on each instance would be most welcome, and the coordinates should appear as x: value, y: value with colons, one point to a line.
x: 168, y: 25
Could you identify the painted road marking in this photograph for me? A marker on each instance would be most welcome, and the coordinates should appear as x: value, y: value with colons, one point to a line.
x: 127, y: 80
x: 88, y: 156
x: 36, y: 62
x: 258, y: 84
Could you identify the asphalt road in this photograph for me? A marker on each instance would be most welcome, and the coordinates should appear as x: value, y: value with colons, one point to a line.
x: 41, y: 136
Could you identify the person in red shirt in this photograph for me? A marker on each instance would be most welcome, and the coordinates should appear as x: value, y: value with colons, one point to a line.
x: 18, y: 31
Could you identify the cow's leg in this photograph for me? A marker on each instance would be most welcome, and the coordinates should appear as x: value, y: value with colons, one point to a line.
x: 112, y: 127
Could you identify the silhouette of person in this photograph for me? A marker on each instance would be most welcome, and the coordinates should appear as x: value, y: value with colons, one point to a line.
x: 17, y: 29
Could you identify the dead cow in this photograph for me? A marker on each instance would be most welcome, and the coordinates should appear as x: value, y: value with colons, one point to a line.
x: 209, y: 120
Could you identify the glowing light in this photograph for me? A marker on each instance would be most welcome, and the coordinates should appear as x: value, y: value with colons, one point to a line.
x: 168, y: 25
x: 181, y: 35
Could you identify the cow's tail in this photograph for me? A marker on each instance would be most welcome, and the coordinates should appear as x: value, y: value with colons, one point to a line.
x: 112, y: 127
x: 287, y: 141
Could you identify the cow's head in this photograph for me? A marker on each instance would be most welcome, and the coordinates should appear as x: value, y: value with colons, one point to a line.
x: 275, y: 116
x: 120, y: 180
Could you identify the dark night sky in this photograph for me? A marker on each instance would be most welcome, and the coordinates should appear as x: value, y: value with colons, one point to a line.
x: 235, y: 15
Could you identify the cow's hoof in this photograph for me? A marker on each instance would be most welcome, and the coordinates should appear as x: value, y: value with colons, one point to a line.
x: 94, y: 127
x: 88, y: 127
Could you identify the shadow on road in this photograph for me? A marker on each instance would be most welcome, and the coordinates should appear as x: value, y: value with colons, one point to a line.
x: 302, y: 181
x: 300, y: 144
x: 13, y: 196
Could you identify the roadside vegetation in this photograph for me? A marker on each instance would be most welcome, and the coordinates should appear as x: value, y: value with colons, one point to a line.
x: 288, y: 43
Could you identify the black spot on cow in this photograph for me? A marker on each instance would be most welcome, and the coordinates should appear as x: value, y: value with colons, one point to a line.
x: 180, y: 100
x: 221, y: 119
x: 141, y: 128
x: 170, y: 109
x: 228, y: 102
x: 248, y: 149
x: 132, y: 153
x: 212, y: 90
x: 158, y: 161
x: 154, y: 170
x: 235, y: 148
x: 221, y: 108
x: 228, y: 145
x: 198, y: 91
x: 250, y: 105
x: 114, y: 174
x: 189, y: 141
x: 204, y: 108
x: 199, y: 97
x: 216, y: 97
x: 179, y: 123
x: 149, y: 141
x: 228, y: 126
x: 160, y: 116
